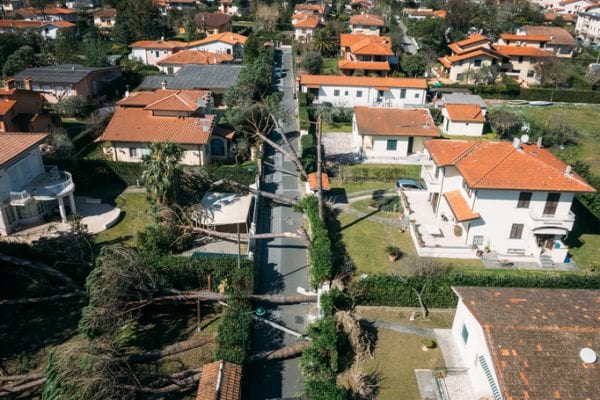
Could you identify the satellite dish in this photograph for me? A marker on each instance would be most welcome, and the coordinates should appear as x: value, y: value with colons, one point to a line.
x: 588, y: 355
x: 525, y: 138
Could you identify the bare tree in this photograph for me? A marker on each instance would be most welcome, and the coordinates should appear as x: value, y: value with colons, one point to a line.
x: 266, y: 16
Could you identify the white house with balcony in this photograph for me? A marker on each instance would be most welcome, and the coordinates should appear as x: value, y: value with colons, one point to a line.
x: 588, y: 23
x: 510, y: 198
x: 29, y: 190
x: 352, y: 91
x: 527, y: 343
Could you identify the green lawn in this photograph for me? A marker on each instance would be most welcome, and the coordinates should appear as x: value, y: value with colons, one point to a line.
x: 584, y: 118
x: 396, y: 357
x: 73, y: 126
x: 330, y: 66
x: 351, y: 187
x: 363, y: 206
x: 134, y: 217
x: 344, y: 127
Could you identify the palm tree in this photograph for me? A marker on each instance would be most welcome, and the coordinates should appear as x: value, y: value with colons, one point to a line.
x: 161, y: 174
x: 323, y: 42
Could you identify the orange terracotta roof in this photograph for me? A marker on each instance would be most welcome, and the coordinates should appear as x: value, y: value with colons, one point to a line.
x: 305, y: 21
x: 367, y: 44
x: 106, y: 13
x: 534, y: 337
x: 525, y: 38
x: 225, y: 37
x: 159, y: 44
x: 460, y: 208
x: 20, y: 24
x: 558, y: 36
x: 521, y: 51
x: 6, y: 105
x: 498, y: 165
x: 316, y: 8
x: 465, y: 112
x: 48, y: 11
x: 411, y: 83
x: 448, y: 61
x: 472, y: 39
x: 61, y: 24
x: 220, y: 380
x: 195, y: 57
x: 366, y: 19
x: 551, y: 16
x: 13, y: 144
x: 137, y: 125
x: 366, y: 65
x: 381, y: 121
x: 314, y: 185
x: 440, y: 13
x: 166, y: 100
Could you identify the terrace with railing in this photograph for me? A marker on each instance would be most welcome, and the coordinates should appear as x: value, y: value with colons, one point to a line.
x: 47, y: 186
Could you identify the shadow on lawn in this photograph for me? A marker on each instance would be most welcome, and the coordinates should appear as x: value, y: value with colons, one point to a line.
x: 586, y: 223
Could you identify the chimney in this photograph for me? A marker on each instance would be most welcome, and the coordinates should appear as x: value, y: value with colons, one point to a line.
x: 163, y: 85
x: 9, y: 83
x: 27, y: 83
x: 162, y: 38
x: 516, y: 143
x: 568, y: 170
x: 539, y: 142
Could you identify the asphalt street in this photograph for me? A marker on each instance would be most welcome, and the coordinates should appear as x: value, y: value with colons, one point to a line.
x: 281, y: 263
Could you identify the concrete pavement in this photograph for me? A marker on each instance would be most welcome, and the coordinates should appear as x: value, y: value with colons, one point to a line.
x: 281, y: 263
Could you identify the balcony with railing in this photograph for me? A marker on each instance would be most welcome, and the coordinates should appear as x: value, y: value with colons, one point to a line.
x: 433, y: 183
x: 563, y: 220
x: 50, y: 185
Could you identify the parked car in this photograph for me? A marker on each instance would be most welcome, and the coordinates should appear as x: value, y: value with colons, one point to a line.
x: 277, y: 72
x: 408, y: 184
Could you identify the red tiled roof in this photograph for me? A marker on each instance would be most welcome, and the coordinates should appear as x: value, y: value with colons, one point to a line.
x: 212, y: 20
x: 20, y: 24
x: 314, y: 185
x: 472, y: 39
x: 412, y: 83
x: 195, y: 57
x: 551, y: 16
x: 367, y: 44
x: 316, y: 8
x: 138, y: 125
x: 366, y: 19
x: 558, y: 36
x: 166, y: 100
x: 220, y: 380
x: 159, y: 44
x: 305, y: 21
x: 28, y: 11
x: 465, y: 112
x: 366, y: 65
x: 448, y: 61
x: 225, y: 37
x: 521, y: 51
x: 6, y: 105
x: 61, y: 24
x: 394, y: 122
x: 499, y: 165
x: 106, y: 13
x: 460, y: 208
x: 524, y: 38
x: 534, y: 337
x: 13, y: 144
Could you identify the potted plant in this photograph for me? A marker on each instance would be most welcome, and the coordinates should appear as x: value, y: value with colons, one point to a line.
x: 428, y: 344
x: 393, y: 252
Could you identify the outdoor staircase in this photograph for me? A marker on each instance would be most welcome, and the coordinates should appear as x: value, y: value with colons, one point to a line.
x: 546, y: 262
x: 490, y: 378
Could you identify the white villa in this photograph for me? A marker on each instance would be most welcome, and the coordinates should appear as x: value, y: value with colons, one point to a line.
x: 29, y: 190
x: 351, y: 91
x: 224, y: 43
x: 588, y: 23
x: 392, y: 134
x: 463, y: 119
x: 510, y: 198
x: 518, y: 343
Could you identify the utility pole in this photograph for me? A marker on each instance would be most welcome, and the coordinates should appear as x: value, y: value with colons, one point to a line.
x: 319, y: 167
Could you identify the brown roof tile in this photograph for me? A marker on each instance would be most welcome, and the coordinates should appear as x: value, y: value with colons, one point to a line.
x: 212, y: 20
x: 6, y: 106
x: 195, y: 57
x: 220, y: 380
x: 559, y: 36
x: 499, y: 165
x: 366, y: 19
x: 522, y: 51
x: 305, y: 21
x: 13, y: 144
x: 159, y: 44
x: 460, y: 208
x: 225, y: 37
x: 314, y: 185
x: 465, y: 112
x: 535, y: 336
x: 366, y: 65
x: 394, y: 121
x: 367, y: 44
x: 168, y: 100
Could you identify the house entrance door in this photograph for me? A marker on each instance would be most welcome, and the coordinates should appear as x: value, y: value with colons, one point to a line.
x: 546, y: 241
x: 411, y: 142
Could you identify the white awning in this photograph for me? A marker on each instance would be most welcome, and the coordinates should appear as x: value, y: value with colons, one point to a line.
x: 550, y: 231
x: 225, y: 208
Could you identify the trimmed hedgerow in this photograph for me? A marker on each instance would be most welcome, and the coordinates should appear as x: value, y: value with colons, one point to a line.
x: 320, y: 254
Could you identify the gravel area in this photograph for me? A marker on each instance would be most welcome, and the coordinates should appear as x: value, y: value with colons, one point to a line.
x: 339, y: 145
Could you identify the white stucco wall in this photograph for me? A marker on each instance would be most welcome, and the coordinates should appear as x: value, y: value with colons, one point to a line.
x: 475, y: 347
x: 192, y: 154
x: 588, y: 24
x: 20, y: 173
x: 365, y: 30
x: 149, y: 56
x: 350, y: 96
x: 215, y: 47
x: 462, y: 128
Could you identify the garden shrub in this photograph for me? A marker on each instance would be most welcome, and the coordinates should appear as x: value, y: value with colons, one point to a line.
x: 510, y: 91
x: 309, y: 153
x: 384, y: 173
x: 393, y: 291
x: 161, y: 239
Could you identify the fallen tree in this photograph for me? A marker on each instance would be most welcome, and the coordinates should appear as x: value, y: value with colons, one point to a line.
x: 170, y: 350
x: 282, y: 353
x: 276, y: 197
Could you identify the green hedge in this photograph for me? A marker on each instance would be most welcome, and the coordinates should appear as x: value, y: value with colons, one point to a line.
x: 378, y: 172
x: 590, y: 200
x: 389, y: 290
x: 303, y: 111
x: 320, y: 252
x: 309, y: 153
x: 509, y: 92
x: 89, y: 174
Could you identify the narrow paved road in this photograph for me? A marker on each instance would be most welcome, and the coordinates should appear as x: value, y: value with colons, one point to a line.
x: 282, y: 263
